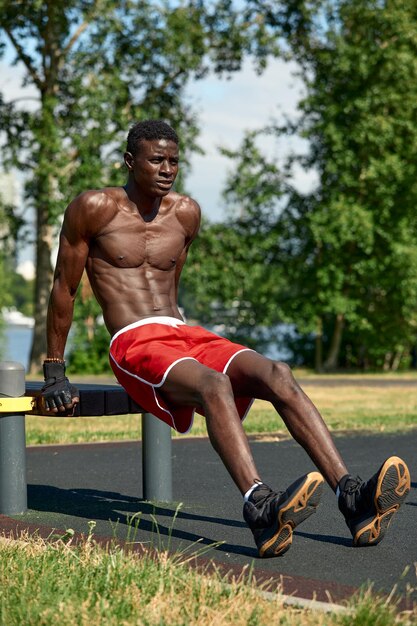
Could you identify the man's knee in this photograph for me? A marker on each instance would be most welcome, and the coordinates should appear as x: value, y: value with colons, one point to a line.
x: 214, y: 385
x: 283, y: 382
x: 282, y: 371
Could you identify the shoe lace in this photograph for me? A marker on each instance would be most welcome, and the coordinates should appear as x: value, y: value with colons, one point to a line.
x: 353, y: 485
x: 258, y: 511
x: 356, y: 495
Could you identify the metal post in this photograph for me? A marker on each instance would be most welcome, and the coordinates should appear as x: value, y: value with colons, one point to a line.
x: 13, y: 486
x: 156, y: 459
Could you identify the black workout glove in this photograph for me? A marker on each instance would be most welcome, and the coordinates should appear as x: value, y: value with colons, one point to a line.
x: 57, y: 390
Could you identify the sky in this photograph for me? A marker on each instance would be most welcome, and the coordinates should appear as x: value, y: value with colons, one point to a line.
x: 226, y: 108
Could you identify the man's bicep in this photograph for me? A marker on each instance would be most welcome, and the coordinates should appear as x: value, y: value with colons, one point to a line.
x: 70, y: 264
x: 73, y: 246
x: 196, y: 222
x: 189, y: 215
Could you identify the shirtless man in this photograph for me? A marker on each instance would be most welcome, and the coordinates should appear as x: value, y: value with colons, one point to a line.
x: 133, y: 242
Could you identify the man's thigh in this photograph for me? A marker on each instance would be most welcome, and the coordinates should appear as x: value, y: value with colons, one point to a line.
x: 250, y: 374
x: 185, y: 382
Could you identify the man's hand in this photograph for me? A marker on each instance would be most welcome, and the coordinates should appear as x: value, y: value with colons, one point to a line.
x: 59, y: 396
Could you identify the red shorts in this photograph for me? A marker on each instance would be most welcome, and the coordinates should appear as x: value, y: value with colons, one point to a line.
x: 142, y: 355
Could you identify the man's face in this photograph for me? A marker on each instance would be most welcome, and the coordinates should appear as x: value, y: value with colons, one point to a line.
x: 155, y: 166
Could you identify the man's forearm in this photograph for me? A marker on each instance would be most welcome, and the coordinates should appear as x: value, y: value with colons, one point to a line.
x: 59, y: 396
x: 59, y: 320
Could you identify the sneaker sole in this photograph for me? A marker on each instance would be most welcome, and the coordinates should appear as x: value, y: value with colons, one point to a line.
x: 300, y: 505
x: 392, y: 488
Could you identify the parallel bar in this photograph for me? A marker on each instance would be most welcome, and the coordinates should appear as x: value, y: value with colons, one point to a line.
x: 156, y: 459
x: 94, y: 400
x: 13, y: 488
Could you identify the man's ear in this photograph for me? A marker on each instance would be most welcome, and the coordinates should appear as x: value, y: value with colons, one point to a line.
x: 128, y: 158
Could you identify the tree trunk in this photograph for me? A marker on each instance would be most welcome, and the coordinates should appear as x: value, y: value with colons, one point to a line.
x: 397, y: 360
x: 318, y: 352
x: 333, y: 356
x: 43, y: 285
x: 45, y: 186
x: 387, y: 361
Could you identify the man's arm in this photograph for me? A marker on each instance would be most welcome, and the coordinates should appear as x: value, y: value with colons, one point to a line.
x: 58, y: 394
x: 189, y: 215
x: 71, y: 260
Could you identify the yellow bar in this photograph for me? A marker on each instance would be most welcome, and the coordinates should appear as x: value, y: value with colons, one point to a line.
x: 16, y: 405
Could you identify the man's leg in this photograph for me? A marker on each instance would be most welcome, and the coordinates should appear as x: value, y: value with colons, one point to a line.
x: 271, y: 516
x: 368, y: 507
x: 190, y: 383
x: 255, y: 376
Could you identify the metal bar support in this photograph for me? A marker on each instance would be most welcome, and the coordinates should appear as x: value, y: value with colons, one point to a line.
x: 156, y: 459
x: 13, y: 485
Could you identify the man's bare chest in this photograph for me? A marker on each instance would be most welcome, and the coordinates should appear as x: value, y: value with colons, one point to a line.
x: 128, y: 242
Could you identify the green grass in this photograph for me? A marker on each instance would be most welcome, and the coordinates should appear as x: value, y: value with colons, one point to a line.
x: 56, y: 582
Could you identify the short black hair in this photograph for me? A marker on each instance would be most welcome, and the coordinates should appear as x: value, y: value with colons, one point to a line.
x: 149, y: 130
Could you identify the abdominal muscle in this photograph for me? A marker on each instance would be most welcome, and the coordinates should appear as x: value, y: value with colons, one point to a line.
x: 127, y: 295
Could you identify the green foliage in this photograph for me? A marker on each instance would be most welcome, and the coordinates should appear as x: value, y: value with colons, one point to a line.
x: 10, y: 227
x: 12, y: 285
x: 360, y: 116
x: 98, y: 66
x: 5, y: 299
x: 89, y: 355
x: 89, y: 343
x: 231, y: 273
x: 224, y: 270
x: 21, y: 293
x: 344, y: 253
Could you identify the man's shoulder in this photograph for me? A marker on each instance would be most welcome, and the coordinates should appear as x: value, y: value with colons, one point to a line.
x: 92, y: 210
x: 188, y: 213
x: 98, y: 197
x: 183, y: 202
x: 95, y: 204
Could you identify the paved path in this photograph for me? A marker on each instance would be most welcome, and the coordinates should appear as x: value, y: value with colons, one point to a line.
x: 71, y: 485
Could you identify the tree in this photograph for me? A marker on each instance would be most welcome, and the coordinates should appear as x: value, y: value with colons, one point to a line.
x: 21, y: 292
x: 98, y: 65
x: 10, y: 225
x: 347, y: 248
x: 4, y: 294
x: 89, y: 343
x: 228, y: 271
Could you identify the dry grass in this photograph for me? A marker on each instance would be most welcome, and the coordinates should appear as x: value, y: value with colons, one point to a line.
x: 344, y: 408
x: 52, y: 583
x: 385, y: 409
x: 48, y: 430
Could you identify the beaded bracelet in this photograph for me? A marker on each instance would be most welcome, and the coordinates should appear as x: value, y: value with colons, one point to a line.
x: 54, y: 360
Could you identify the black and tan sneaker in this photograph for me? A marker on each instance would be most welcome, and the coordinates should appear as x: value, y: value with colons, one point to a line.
x: 272, y: 516
x: 369, y: 506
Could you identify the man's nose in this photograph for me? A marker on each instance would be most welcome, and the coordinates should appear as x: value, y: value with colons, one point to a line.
x: 166, y: 167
